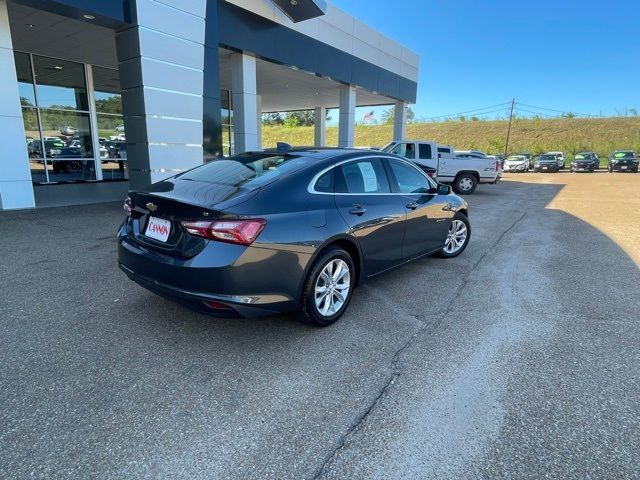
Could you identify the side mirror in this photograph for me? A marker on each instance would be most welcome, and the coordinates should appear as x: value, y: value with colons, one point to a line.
x: 443, y: 189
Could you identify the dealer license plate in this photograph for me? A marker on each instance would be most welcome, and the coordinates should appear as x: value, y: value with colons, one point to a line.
x: 158, y: 229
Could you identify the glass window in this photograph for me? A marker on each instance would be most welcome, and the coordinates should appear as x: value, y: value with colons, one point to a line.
x: 226, y: 115
x: 325, y: 182
x: 406, y: 150
x: 111, y: 132
x: 409, y: 179
x: 362, y: 176
x: 425, y: 151
x: 25, y: 79
x: 60, y: 84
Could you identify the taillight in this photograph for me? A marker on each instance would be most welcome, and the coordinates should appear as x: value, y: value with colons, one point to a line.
x: 242, y: 232
x: 127, y: 206
x: 497, y: 166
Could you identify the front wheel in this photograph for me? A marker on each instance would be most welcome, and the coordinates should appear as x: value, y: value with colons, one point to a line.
x: 328, y: 288
x: 465, y: 184
x: 457, y: 238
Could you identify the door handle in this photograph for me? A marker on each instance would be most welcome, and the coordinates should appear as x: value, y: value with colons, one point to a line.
x: 412, y: 205
x: 357, y: 210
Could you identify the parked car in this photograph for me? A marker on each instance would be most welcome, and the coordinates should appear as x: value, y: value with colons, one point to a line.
x: 546, y: 163
x: 288, y: 229
x: 52, y: 145
x: 463, y: 170
x: 623, y: 161
x: 516, y: 163
x: 561, y: 158
x: 585, y: 162
x: 529, y: 158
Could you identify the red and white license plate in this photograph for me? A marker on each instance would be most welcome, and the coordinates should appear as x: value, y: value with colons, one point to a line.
x: 158, y: 229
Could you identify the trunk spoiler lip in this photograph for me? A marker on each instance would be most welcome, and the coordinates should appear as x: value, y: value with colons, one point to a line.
x: 214, y: 206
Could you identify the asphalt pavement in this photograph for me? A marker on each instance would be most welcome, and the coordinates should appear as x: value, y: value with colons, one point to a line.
x: 518, y: 359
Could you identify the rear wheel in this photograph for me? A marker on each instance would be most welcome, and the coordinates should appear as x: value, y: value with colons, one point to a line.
x: 328, y: 288
x: 457, y: 237
x: 465, y: 184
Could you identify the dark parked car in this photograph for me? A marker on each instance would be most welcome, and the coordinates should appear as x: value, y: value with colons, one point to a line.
x: 546, y: 163
x: 289, y: 229
x: 585, y: 162
x: 623, y: 161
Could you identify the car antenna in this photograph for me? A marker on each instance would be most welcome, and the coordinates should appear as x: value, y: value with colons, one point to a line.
x: 283, y: 147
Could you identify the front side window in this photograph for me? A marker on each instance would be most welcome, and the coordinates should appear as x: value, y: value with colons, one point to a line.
x: 406, y: 150
x: 409, y: 179
x: 362, y: 176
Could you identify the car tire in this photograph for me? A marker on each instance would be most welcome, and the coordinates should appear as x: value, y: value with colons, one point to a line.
x: 445, y: 251
x: 465, y: 184
x: 310, y: 310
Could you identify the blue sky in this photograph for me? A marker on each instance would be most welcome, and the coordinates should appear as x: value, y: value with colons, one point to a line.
x: 569, y: 55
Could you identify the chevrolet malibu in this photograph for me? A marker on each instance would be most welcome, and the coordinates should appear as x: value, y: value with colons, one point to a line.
x: 286, y: 230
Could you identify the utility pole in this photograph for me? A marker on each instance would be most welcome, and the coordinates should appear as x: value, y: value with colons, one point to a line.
x: 506, y: 144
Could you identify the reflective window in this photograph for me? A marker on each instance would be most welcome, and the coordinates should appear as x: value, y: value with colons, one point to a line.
x: 60, y: 84
x: 408, y: 178
x: 362, y: 176
x: 25, y: 79
x: 111, y: 133
x: 226, y: 114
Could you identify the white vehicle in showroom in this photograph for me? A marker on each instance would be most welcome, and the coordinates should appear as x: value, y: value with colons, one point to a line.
x: 516, y: 163
x: 463, y: 170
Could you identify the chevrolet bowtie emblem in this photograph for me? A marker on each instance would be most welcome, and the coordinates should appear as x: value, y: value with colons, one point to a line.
x: 152, y: 207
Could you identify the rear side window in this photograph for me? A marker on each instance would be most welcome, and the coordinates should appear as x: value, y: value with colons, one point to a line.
x: 324, y: 183
x: 425, y: 151
x: 361, y: 176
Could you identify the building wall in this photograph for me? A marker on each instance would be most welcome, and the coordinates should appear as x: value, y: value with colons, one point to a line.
x: 344, y: 32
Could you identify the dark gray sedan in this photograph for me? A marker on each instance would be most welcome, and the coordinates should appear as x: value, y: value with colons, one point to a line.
x: 283, y: 230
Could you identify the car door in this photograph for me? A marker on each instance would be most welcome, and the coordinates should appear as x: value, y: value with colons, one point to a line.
x: 429, y: 215
x: 375, y: 216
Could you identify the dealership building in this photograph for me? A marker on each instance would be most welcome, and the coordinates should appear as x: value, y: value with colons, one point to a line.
x: 99, y: 96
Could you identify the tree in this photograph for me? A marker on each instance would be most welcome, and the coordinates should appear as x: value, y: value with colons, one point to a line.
x: 274, y: 118
x: 389, y: 114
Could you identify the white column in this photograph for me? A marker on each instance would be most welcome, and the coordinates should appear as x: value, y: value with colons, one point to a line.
x: 320, y: 127
x: 400, y: 121
x: 347, y: 119
x: 16, y: 189
x: 243, y: 90
x: 161, y: 60
x: 259, y: 110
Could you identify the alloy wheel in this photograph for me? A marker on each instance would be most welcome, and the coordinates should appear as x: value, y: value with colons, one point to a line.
x: 332, y: 287
x: 456, y: 237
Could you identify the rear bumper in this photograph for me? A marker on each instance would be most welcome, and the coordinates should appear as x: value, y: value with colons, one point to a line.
x: 250, y: 281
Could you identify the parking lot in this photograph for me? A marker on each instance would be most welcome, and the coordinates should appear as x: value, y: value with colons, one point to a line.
x: 518, y: 359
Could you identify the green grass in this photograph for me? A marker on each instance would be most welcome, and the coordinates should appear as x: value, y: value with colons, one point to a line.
x: 570, y: 135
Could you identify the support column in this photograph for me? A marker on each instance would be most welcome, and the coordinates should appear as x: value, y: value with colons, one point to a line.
x: 16, y: 188
x: 347, y: 119
x: 320, y: 127
x: 245, y: 114
x: 259, y: 110
x: 161, y: 61
x: 400, y: 121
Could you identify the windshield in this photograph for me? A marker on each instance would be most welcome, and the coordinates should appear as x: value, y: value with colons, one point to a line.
x: 582, y: 156
x: 547, y: 157
x: 624, y: 155
x: 247, y: 170
x: 515, y: 159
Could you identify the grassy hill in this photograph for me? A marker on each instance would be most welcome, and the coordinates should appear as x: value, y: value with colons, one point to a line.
x: 570, y: 135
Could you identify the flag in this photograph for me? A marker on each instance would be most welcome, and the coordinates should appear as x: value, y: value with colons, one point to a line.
x: 367, y: 117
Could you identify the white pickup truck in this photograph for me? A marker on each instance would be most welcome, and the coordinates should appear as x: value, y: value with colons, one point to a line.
x: 463, y: 170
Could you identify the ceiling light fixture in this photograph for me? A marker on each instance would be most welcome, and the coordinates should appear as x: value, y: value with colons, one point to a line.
x: 294, y: 2
x: 57, y: 67
x: 89, y: 17
x: 30, y: 25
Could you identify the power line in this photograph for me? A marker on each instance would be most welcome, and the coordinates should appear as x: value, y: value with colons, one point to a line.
x: 471, y: 111
x: 553, y: 110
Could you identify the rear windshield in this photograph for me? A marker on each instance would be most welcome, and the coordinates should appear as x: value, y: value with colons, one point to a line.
x: 247, y: 170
